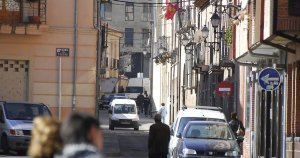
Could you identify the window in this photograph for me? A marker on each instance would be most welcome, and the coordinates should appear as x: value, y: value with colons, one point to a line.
x: 147, y: 12
x: 106, y: 61
x: 22, y: 111
x: 129, y: 11
x: 128, y: 37
x: 106, y: 11
x: 145, y: 38
x: 294, y: 6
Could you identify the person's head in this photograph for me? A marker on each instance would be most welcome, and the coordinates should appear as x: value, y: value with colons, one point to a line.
x: 141, y: 93
x: 162, y: 104
x: 81, y: 128
x: 45, y: 141
x: 157, y: 118
x: 234, y: 115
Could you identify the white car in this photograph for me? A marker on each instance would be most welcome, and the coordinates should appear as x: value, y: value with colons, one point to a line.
x: 200, y: 113
x: 123, y: 113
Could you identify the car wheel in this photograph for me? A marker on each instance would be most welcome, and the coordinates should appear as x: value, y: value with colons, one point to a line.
x: 111, y: 127
x: 4, y: 144
x: 136, y: 128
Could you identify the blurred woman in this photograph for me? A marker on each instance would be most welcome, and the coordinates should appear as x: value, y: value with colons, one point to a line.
x: 46, y: 141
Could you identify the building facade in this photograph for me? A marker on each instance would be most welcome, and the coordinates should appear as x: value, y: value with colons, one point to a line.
x: 134, y: 20
x: 214, y: 54
x: 32, y: 34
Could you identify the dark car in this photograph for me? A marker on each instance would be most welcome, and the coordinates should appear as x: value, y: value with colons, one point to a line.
x: 106, y: 99
x: 207, y: 139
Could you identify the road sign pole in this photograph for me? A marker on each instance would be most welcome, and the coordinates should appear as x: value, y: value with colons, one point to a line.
x: 59, y: 89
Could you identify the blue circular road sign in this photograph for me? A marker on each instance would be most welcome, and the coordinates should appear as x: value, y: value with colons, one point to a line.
x: 269, y: 79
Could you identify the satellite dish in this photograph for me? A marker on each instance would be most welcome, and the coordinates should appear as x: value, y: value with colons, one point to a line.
x: 244, y: 4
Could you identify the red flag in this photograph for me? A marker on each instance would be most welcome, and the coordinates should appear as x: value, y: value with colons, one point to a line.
x: 171, y: 10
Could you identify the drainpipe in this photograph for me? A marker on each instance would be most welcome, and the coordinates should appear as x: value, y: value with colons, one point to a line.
x: 75, y: 54
x: 98, y: 59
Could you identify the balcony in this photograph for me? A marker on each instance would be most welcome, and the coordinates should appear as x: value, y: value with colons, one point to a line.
x: 285, y: 25
x: 26, y: 17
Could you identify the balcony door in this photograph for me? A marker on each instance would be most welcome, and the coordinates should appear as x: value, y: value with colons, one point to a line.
x: 10, y: 11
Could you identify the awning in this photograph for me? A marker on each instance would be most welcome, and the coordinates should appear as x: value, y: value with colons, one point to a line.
x: 266, y: 49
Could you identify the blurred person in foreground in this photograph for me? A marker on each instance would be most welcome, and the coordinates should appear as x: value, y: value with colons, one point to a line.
x: 82, y: 136
x: 158, y: 140
x: 45, y: 141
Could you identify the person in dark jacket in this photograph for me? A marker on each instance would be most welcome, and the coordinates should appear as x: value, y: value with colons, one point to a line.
x: 236, y: 125
x: 146, y: 105
x: 159, y: 137
x: 140, y: 102
x: 81, y: 136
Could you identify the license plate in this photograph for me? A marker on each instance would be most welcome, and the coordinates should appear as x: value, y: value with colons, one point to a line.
x: 125, y: 122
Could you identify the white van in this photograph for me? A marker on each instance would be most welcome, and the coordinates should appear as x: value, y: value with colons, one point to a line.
x: 16, y: 124
x: 123, y: 113
x: 199, y: 113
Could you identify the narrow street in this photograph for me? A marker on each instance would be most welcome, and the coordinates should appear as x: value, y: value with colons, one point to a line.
x: 125, y: 142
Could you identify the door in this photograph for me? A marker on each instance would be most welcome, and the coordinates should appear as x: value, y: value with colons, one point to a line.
x: 14, y: 80
x: 10, y: 11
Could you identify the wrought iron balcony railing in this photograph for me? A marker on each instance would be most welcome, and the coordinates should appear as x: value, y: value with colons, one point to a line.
x: 21, y: 12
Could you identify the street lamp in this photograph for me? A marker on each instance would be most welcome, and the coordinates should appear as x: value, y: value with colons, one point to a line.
x: 145, y: 51
x: 215, y: 20
x: 205, y: 32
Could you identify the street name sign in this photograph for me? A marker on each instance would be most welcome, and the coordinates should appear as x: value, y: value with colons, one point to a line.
x: 62, y: 52
x: 269, y: 79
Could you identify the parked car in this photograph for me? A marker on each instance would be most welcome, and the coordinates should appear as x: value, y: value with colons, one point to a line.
x: 123, y: 113
x: 207, y: 139
x: 16, y: 124
x: 199, y: 113
x: 106, y: 99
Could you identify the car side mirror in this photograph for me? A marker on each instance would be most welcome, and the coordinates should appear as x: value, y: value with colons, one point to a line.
x: 240, y: 139
x: 110, y: 111
x: 179, y: 135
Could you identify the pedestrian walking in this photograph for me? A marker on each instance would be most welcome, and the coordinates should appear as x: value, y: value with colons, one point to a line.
x: 140, y: 102
x: 45, y: 141
x: 82, y: 136
x: 158, y: 140
x: 236, y: 125
x: 146, y: 105
x: 163, y: 112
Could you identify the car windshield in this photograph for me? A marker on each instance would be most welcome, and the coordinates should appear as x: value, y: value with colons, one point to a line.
x: 124, y: 109
x: 23, y: 111
x: 208, y: 131
x: 134, y: 89
x: 185, y: 120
